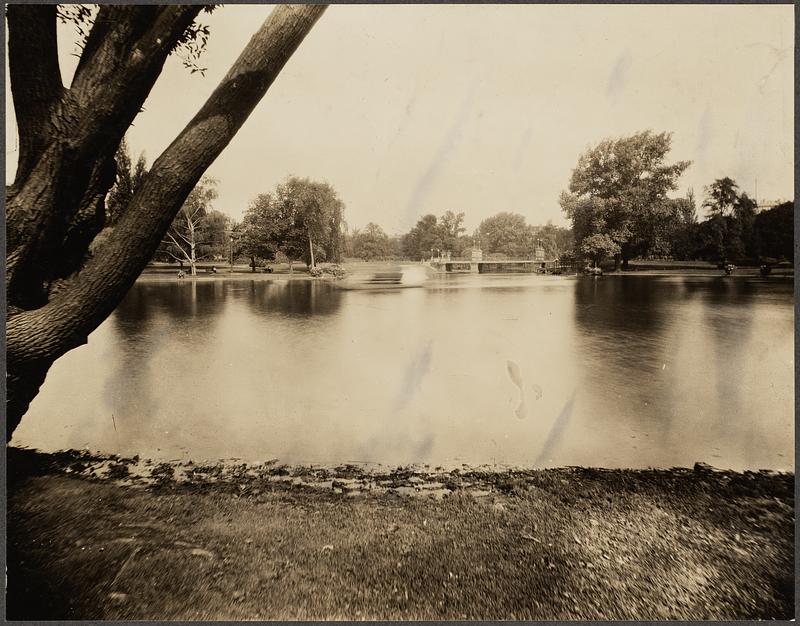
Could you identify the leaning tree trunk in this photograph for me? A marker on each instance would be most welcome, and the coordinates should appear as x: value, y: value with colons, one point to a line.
x: 58, y: 293
x: 311, y: 250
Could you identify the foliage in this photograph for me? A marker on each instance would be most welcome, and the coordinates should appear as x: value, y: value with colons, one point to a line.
x: 301, y: 215
x: 423, y: 239
x: 431, y: 236
x: 189, y: 47
x: 451, y: 228
x: 773, y: 233
x: 619, y: 189
x: 599, y: 246
x: 728, y: 233
x: 371, y: 243
x: 556, y: 240
x: 721, y: 196
x: 507, y: 234
x: 258, y: 235
x: 683, y: 236
x: 128, y: 180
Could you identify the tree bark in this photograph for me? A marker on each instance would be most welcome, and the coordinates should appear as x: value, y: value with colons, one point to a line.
x: 35, y: 78
x: 122, y: 61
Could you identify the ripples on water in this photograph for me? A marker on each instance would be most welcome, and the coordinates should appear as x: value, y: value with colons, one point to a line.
x: 624, y: 371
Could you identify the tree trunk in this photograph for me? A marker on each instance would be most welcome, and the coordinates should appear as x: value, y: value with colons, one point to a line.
x: 192, y: 254
x: 311, y: 250
x: 252, y: 264
x: 53, y: 306
x: 625, y: 263
x: 617, y: 259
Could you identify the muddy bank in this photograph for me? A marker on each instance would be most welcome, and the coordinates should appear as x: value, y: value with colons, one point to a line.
x: 93, y: 537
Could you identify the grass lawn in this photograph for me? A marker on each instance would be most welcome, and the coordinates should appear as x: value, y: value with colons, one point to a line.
x: 344, y: 543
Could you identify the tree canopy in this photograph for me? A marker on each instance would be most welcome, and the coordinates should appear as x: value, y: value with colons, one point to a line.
x: 507, y: 234
x: 721, y: 196
x: 371, y: 243
x: 432, y: 235
x: 301, y: 219
x: 619, y: 189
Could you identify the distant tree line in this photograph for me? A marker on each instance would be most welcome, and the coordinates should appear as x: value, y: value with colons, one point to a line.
x: 504, y: 235
x: 618, y: 202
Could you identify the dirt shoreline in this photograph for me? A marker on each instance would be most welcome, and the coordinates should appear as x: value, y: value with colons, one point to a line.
x: 101, y: 537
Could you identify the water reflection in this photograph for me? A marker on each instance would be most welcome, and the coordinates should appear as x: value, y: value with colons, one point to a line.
x: 621, y: 371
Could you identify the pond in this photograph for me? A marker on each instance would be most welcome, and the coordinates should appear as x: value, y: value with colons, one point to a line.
x: 620, y: 371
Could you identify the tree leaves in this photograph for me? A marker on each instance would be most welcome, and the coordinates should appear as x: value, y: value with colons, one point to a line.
x: 619, y: 190
x: 284, y: 220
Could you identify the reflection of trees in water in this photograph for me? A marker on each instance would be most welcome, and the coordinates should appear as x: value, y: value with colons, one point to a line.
x: 154, y: 316
x: 622, y: 322
x: 300, y: 297
x: 144, y: 322
x: 180, y: 301
x: 628, y: 329
x: 628, y: 306
x: 728, y: 316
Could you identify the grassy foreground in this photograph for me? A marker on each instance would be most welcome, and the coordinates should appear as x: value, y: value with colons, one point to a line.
x: 90, y: 538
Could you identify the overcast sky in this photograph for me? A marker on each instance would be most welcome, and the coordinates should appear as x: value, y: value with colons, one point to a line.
x: 408, y: 110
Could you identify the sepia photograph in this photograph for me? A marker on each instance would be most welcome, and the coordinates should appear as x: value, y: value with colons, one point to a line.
x: 372, y: 312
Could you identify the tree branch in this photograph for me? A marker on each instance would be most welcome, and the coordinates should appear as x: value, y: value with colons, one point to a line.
x: 185, y: 239
x: 179, y: 246
x: 35, y: 78
x: 177, y: 258
x: 121, y: 61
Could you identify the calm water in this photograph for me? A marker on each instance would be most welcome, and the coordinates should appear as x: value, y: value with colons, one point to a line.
x: 621, y: 371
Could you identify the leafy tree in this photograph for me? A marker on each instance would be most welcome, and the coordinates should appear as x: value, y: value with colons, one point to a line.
x: 732, y: 218
x: 425, y: 237
x: 57, y: 291
x: 556, y: 240
x: 302, y: 219
x: 744, y: 217
x: 619, y: 189
x: 431, y: 236
x: 463, y: 246
x: 258, y: 234
x: 395, y: 248
x: 507, y: 234
x: 128, y: 180
x: 598, y: 247
x: 721, y: 196
x: 371, y: 243
x: 773, y: 233
x: 451, y: 227
x: 684, y: 241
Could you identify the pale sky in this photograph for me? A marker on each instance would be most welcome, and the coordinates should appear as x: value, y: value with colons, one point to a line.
x: 409, y: 109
